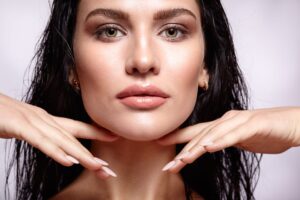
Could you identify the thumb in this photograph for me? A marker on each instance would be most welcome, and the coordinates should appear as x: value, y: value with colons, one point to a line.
x: 86, y: 131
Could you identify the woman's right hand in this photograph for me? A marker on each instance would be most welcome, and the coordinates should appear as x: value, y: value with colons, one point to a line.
x: 54, y: 136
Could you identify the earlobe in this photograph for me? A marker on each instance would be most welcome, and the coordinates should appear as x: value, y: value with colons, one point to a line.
x: 203, y: 80
x: 73, y: 80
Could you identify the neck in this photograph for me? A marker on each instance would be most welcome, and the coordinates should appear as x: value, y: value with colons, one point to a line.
x: 138, y: 166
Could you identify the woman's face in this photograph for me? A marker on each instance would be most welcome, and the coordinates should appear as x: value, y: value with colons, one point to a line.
x: 147, y: 44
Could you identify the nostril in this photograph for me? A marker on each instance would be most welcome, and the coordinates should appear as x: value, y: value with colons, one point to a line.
x: 142, y: 68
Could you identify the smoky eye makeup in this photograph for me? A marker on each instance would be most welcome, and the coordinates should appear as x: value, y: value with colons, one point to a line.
x: 108, y: 30
x: 112, y: 32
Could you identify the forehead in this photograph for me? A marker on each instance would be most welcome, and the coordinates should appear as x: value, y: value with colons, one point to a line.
x: 138, y: 8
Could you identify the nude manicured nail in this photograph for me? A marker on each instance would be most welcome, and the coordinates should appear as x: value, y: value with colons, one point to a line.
x: 169, y: 165
x: 109, y: 171
x: 102, y: 162
x: 72, y: 159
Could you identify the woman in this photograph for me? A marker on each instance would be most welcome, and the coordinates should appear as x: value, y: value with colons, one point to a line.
x: 70, y: 55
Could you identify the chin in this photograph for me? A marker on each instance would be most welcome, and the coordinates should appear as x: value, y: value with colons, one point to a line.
x: 143, y: 134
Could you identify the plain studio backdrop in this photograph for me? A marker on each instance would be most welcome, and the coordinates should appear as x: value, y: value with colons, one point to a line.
x: 267, y: 38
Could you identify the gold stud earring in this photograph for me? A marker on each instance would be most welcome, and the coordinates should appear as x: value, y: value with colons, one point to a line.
x: 205, y: 87
x: 76, y: 84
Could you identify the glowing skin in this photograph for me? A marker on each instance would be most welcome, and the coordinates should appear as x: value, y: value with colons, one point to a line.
x: 141, y: 51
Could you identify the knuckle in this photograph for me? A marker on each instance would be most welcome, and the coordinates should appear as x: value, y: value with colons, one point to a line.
x: 230, y: 113
x: 53, y: 151
x: 216, y: 129
x: 188, y: 160
x: 39, y: 110
x: 40, y: 141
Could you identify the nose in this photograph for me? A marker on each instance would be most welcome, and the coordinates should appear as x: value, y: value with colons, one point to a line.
x: 142, y: 59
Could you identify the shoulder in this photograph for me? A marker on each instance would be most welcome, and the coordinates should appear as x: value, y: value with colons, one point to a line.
x: 196, y: 196
x: 74, y: 192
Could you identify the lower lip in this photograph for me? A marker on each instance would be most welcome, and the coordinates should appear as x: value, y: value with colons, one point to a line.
x: 143, y: 102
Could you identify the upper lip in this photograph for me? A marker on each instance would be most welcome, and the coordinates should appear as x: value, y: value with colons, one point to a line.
x: 137, y: 90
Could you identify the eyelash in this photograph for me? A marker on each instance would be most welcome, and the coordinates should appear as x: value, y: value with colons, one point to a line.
x: 99, y: 33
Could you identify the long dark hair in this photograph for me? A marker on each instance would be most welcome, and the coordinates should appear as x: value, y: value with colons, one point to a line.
x: 228, y: 174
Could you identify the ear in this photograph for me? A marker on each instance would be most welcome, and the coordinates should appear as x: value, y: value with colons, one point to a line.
x: 73, y: 79
x: 203, y: 80
x: 72, y: 76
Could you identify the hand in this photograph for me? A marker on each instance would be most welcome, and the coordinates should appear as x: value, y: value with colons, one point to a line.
x: 54, y: 136
x: 261, y: 131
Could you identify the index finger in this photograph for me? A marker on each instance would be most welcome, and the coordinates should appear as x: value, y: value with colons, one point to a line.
x: 183, y: 135
x: 85, y: 131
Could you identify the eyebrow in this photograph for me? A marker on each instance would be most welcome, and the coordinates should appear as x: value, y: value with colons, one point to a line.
x: 159, y: 15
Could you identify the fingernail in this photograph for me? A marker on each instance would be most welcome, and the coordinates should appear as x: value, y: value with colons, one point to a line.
x: 109, y: 171
x: 169, y: 165
x: 102, y: 162
x: 72, y: 159
x: 183, y: 155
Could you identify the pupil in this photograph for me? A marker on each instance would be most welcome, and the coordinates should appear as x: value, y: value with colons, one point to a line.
x: 172, y: 32
x: 111, y: 31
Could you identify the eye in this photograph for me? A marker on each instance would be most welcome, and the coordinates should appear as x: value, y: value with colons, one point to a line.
x: 174, y: 32
x: 109, y: 32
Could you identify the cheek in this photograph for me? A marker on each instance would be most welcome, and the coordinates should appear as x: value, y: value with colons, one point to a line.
x: 98, y: 70
x: 185, y: 69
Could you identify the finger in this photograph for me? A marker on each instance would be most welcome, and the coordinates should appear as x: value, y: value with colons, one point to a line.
x: 46, y: 146
x: 215, y: 130
x: 69, y: 146
x: 177, y: 167
x: 236, y: 136
x: 102, y: 174
x: 177, y: 164
x: 84, y: 130
x: 43, y: 116
x: 223, y: 128
x: 191, y: 155
x: 42, y: 122
x: 183, y: 135
x: 195, y: 140
x: 219, y: 127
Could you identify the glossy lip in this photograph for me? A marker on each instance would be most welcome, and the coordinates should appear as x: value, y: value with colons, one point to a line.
x: 139, y: 97
x: 137, y: 90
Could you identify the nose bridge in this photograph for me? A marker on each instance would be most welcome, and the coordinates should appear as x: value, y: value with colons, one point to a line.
x: 142, y: 49
x: 142, y: 56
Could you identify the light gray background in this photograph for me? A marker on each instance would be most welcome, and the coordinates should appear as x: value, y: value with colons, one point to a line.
x: 267, y: 39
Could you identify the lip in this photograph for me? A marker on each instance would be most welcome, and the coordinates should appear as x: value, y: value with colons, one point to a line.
x: 139, y: 97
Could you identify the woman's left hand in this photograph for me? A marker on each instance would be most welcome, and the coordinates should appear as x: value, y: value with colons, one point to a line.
x: 271, y: 130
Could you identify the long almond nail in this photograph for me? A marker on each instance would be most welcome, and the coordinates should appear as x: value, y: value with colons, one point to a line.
x: 109, y: 171
x: 102, y: 162
x: 72, y: 159
x: 169, y: 165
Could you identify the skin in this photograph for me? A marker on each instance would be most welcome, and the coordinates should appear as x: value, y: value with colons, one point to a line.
x: 140, y: 51
x: 141, y: 148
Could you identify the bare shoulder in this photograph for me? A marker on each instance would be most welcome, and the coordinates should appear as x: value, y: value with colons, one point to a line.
x: 196, y: 196
x: 74, y: 192
x: 79, y: 190
x: 66, y: 194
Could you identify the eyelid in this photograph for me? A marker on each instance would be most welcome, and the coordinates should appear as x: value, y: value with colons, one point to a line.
x: 104, y: 27
x: 184, y: 31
